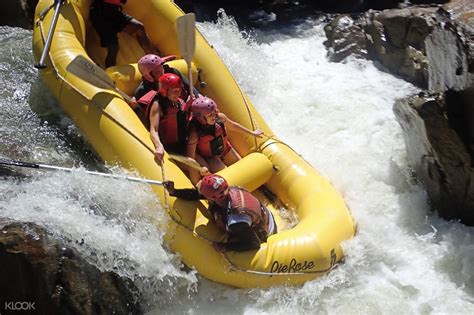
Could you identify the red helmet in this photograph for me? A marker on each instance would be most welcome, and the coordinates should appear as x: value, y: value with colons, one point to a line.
x: 201, y: 107
x: 213, y: 187
x: 169, y: 81
x: 149, y: 63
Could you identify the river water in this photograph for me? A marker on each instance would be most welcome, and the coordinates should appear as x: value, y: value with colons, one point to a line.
x: 337, y: 115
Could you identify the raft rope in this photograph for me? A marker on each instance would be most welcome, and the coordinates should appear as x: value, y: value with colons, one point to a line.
x: 249, y: 111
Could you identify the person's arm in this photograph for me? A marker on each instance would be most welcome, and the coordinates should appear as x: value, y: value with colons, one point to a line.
x: 185, y: 193
x: 155, y: 114
x: 191, y: 144
x: 235, y: 126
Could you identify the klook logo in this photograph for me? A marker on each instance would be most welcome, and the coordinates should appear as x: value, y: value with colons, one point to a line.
x: 19, y: 306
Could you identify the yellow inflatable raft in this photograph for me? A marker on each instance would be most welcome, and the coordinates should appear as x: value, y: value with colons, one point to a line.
x: 300, y: 251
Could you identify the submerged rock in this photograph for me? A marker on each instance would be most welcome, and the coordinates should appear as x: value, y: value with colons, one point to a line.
x: 54, y: 279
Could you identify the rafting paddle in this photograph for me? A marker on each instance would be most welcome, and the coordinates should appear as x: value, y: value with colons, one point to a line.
x: 9, y: 162
x: 185, y: 25
x: 92, y: 73
x: 186, y: 161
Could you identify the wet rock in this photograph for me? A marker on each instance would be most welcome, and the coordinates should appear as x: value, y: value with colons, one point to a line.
x: 436, y: 130
x: 55, y: 279
x: 345, y: 38
x: 17, y: 13
x: 439, y: 128
x: 397, y: 41
x: 450, y: 48
x: 430, y: 46
x: 395, y: 38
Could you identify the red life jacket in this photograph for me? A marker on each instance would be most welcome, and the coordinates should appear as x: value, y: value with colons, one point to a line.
x: 243, y: 202
x: 212, y: 140
x: 116, y: 2
x: 145, y: 104
x: 174, y: 122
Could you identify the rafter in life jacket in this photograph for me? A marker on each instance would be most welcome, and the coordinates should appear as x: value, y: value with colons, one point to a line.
x: 243, y: 202
x: 212, y: 140
x: 174, y: 122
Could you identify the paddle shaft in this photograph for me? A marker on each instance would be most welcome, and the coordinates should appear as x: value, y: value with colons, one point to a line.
x: 191, y: 92
x: 65, y: 169
x: 49, y: 39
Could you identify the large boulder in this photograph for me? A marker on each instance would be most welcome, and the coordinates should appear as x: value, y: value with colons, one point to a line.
x: 450, y: 48
x: 17, y: 13
x: 438, y: 133
x: 395, y: 38
x: 51, y: 278
x: 439, y: 129
x: 430, y: 46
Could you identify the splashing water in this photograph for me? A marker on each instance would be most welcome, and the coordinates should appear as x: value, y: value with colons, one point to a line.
x: 337, y: 115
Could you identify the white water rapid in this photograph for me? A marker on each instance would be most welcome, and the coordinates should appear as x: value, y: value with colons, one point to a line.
x: 337, y: 115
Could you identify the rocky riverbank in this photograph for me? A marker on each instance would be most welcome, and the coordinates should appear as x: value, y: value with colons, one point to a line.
x: 431, y: 46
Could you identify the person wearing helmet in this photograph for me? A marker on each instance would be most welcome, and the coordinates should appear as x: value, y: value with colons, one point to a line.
x: 166, y: 116
x: 208, y: 142
x: 108, y: 20
x: 236, y: 211
x: 151, y: 67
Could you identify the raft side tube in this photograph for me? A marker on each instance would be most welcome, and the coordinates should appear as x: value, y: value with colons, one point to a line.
x: 127, y: 77
x: 250, y: 172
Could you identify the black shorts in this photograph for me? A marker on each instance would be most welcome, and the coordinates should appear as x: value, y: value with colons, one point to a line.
x: 108, y: 20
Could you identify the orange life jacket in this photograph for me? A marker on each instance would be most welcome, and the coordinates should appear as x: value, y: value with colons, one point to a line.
x: 174, y: 122
x: 212, y: 140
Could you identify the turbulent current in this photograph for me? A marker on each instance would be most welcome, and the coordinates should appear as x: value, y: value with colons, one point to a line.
x: 338, y: 116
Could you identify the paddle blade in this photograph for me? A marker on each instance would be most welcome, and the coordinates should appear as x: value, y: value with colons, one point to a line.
x: 186, y: 161
x: 92, y: 73
x: 185, y: 26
